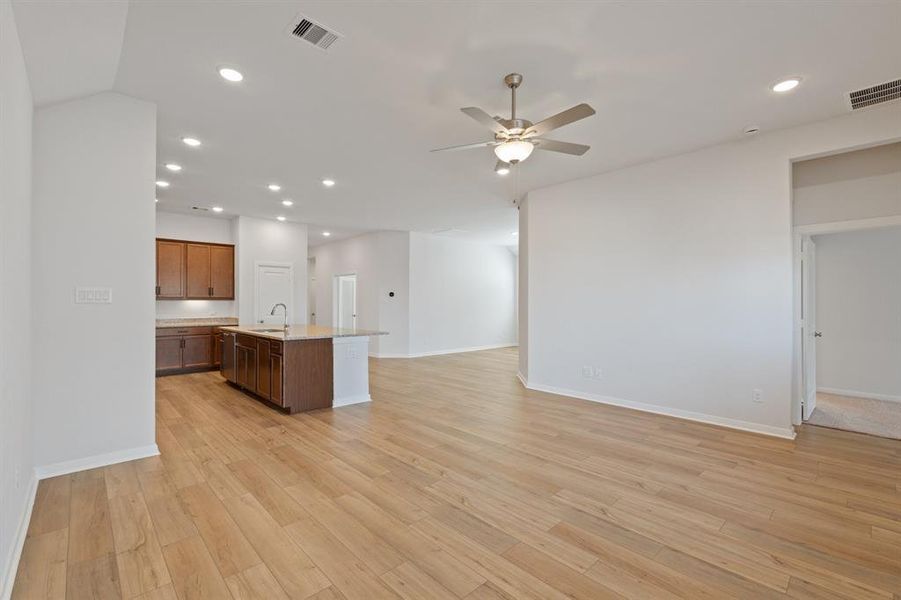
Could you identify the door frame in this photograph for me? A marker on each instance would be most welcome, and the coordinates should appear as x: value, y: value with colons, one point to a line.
x: 336, y: 298
x: 799, y: 232
x: 256, y: 284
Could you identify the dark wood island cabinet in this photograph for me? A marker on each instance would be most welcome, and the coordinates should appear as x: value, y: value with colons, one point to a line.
x: 295, y: 375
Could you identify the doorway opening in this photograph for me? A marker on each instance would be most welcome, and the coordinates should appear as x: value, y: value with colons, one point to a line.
x: 345, y: 301
x: 848, y: 288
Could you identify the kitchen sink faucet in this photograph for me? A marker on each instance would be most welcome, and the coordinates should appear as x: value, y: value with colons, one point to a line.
x: 272, y: 313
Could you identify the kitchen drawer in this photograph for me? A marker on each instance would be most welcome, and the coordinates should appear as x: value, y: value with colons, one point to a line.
x: 180, y: 331
x: 276, y: 347
x: 248, y: 341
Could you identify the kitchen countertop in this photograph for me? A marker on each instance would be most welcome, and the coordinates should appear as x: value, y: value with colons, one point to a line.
x: 302, y: 332
x: 197, y: 322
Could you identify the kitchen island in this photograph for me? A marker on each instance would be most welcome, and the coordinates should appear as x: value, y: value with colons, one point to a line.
x: 298, y: 368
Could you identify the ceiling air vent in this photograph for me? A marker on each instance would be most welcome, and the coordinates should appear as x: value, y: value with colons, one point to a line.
x: 876, y: 94
x: 320, y: 36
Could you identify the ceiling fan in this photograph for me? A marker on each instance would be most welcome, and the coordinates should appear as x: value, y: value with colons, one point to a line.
x: 514, y: 139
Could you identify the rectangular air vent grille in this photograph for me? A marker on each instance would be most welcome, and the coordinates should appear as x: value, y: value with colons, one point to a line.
x: 876, y: 94
x: 314, y: 33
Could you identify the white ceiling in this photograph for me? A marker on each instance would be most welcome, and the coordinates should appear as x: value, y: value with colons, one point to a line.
x: 71, y: 48
x: 664, y: 77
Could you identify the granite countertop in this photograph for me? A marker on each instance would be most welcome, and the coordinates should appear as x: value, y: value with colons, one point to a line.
x: 302, y: 332
x: 197, y: 322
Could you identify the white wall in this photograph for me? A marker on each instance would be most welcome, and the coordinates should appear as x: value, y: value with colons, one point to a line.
x: 16, y: 400
x: 854, y: 185
x: 461, y: 295
x: 381, y: 262
x: 194, y: 228
x: 94, y: 170
x: 266, y: 240
x: 858, y: 294
x: 675, y: 278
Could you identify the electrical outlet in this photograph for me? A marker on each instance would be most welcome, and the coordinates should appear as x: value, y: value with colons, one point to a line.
x: 93, y: 295
x: 589, y: 372
x: 757, y: 396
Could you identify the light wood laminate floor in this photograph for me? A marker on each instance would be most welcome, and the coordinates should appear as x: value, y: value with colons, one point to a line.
x: 457, y: 483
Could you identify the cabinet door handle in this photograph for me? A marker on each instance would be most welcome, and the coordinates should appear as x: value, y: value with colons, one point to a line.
x: 157, y: 290
x: 210, y: 291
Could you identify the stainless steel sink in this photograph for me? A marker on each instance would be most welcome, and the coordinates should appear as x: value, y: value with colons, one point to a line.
x: 279, y: 330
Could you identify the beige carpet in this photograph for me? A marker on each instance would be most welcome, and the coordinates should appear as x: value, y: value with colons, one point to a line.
x: 876, y: 417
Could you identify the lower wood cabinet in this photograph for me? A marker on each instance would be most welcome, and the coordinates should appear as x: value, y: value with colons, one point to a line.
x: 257, y: 365
x: 184, y: 349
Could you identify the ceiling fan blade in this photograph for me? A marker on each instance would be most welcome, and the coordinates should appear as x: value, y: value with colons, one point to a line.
x: 465, y: 147
x: 560, y: 119
x: 484, y: 118
x: 565, y: 147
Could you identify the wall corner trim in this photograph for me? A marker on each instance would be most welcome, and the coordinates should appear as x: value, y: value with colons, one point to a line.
x: 9, y: 576
x: 522, y: 379
x: 92, y: 462
x: 780, y: 432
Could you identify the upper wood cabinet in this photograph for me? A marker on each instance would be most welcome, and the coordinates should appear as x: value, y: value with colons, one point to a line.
x: 222, y: 272
x: 195, y: 270
x: 170, y: 269
x: 197, y: 259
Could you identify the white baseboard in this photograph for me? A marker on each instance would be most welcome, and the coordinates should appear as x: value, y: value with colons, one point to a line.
x: 92, y: 462
x: 787, y: 433
x: 9, y: 575
x: 857, y: 394
x: 348, y: 400
x: 449, y: 351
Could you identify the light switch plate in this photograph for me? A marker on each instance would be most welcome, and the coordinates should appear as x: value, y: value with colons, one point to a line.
x: 93, y: 295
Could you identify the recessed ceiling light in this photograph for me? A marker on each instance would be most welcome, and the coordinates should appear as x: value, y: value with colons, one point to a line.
x: 218, y: 209
x: 230, y: 74
x: 173, y: 167
x: 287, y: 202
x: 515, y: 233
x: 328, y: 182
x: 787, y: 85
x: 191, y: 141
x: 274, y: 187
x: 503, y: 170
x: 280, y: 218
x: 156, y: 200
x: 326, y: 233
x: 162, y: 184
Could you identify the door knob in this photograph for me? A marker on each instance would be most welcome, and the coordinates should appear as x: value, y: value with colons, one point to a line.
x: 817, y: 334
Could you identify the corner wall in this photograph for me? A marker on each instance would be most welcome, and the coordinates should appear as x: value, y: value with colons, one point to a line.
x: 17, y: 479
x: 94, y: 171
x: 461, y: 295
x: 667, y: 286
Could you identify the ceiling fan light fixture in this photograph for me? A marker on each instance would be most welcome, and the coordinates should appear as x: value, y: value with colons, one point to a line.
x: 514, y: 151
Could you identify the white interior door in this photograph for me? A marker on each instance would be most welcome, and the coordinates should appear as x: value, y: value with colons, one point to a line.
x: 274, y: 285
x: 809, y: 332
x: 347, y: 301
